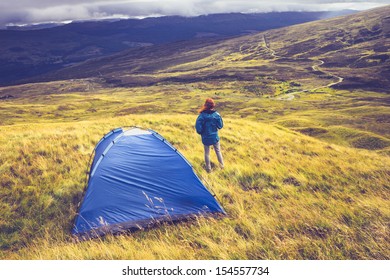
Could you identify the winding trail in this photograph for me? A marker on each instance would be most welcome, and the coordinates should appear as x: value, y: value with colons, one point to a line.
x: 315, y: 67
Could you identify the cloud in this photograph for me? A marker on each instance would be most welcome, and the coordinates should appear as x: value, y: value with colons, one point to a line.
x: 27, y: 11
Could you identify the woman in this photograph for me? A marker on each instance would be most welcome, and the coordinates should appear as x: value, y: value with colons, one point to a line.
x: 207, y: 125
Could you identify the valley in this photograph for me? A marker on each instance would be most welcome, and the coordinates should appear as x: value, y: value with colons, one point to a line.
x: 306, y: 144
x: 28, y: 52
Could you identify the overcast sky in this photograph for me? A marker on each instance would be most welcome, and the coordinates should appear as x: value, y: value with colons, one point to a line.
x: 37, y: 11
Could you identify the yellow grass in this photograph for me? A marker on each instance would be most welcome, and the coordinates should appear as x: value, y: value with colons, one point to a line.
x: 306, y: 178
x: 288, y: 196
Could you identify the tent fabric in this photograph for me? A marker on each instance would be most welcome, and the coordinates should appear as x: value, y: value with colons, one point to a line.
x: 103, y: 143
x: 138, y: 179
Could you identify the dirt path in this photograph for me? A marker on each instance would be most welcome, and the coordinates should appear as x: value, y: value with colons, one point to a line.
x: 315, y: 67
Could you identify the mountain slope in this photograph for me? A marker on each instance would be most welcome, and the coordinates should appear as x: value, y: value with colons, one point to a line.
x: 31, y: 52
x: 307, y: 163
x: 314, y: 54
x: 287, y: 195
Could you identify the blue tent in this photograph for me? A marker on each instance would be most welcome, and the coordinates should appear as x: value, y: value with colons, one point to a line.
x: 138, y: 179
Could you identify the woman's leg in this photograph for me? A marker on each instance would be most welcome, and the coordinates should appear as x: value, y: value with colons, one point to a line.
x: 207, y: 157
x: 217, y: 148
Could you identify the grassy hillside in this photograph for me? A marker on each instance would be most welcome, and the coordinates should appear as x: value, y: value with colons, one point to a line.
x: 287, y: 195
x: 307, y: 161
x: 348, y: 118
x: 27, y: 53
x: 297, y: 58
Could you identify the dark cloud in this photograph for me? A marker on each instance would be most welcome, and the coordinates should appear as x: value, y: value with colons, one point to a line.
x: 27, y: 11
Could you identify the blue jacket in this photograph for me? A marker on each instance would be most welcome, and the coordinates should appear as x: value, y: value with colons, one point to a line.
x: 207, y: 125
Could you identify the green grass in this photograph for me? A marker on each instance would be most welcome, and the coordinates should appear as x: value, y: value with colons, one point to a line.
x: 287, y: 195
x: 306, y: 178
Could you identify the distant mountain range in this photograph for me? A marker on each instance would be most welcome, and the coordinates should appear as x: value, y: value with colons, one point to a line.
x: 350, y: 52
x: 29, y: 51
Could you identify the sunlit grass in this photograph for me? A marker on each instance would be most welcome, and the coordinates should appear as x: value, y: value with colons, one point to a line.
x: 306, y: 178
x: 288, y: 196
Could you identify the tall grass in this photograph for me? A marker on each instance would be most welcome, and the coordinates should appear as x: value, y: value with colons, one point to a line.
x: 287, y: 195
x: 306, y: 178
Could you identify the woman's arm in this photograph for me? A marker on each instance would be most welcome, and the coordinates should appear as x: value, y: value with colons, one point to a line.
x: 199, y: 124
x: 219, y: 121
